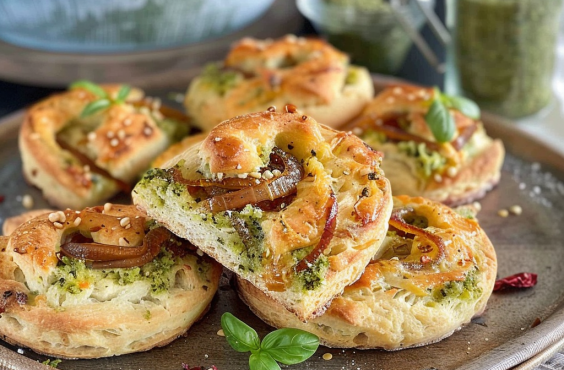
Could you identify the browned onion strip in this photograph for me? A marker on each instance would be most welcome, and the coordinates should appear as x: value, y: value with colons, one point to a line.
x: 398, y: 222
x: 464, y: 136
x: 100, y: 252
x: 278, y: 187
x: 330, y: 224
x: 106, y: 256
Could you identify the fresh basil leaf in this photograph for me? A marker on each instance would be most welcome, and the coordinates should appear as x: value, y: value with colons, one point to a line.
x: 122, y: 93
x: 239, y: 335
x: 261, y: 360
x: 440, y: 121
x: 90, y: 86
x: 465, y: 106
x: 290, y: 346
x: 94, y: 107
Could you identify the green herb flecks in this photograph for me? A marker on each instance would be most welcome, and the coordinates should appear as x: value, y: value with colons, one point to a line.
x: 287, y: 346
x: 104, y: 100
x: 52, y: 363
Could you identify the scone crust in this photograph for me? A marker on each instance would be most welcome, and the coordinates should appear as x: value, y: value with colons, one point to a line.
x: 308, y: 73
x: 367, y: 315
x: 120, y: 141
x: 475, y: 173
x: 333, y: 162
x: 89, y: 325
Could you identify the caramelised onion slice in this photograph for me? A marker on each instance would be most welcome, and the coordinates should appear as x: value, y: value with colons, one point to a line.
x: 331, y: 211
x: 100, y: 256
x: 272, y: 189
x: 398, y: 222
x: 464, y: 136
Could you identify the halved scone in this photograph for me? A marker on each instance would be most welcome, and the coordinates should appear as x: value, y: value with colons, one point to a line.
x: 257, y: 74
x: 80, y: 148
x: 100, y: 282
x: 435, y: 272
x: 454, y: 172
x: 294, y: 207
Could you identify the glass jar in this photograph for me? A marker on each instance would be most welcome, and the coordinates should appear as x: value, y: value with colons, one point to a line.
x: 367, y: 30
x: 503, y: 53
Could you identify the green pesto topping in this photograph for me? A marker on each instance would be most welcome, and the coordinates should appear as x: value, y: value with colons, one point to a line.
x: 416, y: 220
x: 464, y: 290
x: 73, y: 276
x: 219, y: 80
x: 314, y: 276
x: 159, y: 182
x: 373, y: 137
x: 352, y: 76
x: 428, y: 162
x: 147, y: 315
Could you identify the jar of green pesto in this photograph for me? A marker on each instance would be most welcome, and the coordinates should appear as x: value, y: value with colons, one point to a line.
x: 503, y: 53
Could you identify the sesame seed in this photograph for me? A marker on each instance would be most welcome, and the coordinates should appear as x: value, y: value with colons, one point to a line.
x: 58, y: 225
x: 357, y: 131
x: 256, y: 175
x: 147, y: 131
x: 77, y: 221
x: 477, y: 205
x: 397, y: 90
x: 451, y: 171
x: 124, y: 221
x: 62, y: 216
x: 53, y: 217
x: 114, y: 142
x: 327, y: 356
x: 127, y: 122
x: 267, y: 175
x: 276, y: 173
x: 503, y: 213
x: 121, y: 134
x: 438, y: 178
x: 220, y: 176
x: 516, y: 210
x: 242, y: 175
x: 346, y: 173
x: 110, y: 134
x: 128, y: 226
x: 220, y: 333
x: 199, y: 252
x: 107, y: 207
x: 257, y: 181
x: 20, y: 351
x: 91, y: 136
x: 217, y: 139
x: 238, y: 167
x: 123, y: 242
x: 27, y: 201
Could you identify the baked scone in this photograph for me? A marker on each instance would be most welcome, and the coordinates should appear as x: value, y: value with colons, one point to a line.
x: 79, y: 160
x: 416, y: 164
x: 295, y: 207
x: 436, y: 271
x: 257, y: 74
x: 101, y: 282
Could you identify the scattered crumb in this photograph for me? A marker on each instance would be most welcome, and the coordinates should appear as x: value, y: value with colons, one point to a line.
x: 516, y: 210
x: 27, y: 201
x: 327, y: 356
x: 503, y: 213
x: 220, y: 333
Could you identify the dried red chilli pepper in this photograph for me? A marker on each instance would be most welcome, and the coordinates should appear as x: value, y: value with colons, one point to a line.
x: 520, y: 280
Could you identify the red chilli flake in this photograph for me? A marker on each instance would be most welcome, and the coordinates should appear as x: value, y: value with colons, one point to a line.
x: 520, y: 280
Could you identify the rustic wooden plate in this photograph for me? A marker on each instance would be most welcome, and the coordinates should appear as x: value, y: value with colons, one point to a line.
x: 502, y: 338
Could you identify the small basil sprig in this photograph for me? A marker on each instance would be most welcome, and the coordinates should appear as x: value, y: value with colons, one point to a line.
x: 287, y: 346
x: 438, y: 117
x: 104, y: 99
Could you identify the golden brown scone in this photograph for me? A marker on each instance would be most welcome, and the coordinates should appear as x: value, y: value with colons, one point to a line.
x: 12, y: 223
x: 177, y: 148
x: 81, y: 161
x: 97, y: 306
x: 257, y: 74
x: 295, y: 207
x: 454, y: 172
x: 436, y: 271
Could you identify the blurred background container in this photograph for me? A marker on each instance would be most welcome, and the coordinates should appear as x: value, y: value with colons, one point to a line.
x: 109, y: 26
x: 503, y: 53
x: 367, y: 30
